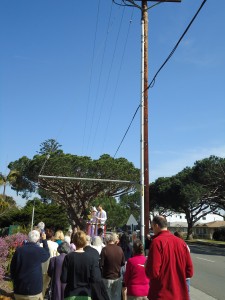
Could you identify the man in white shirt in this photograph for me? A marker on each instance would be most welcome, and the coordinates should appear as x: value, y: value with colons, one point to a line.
x: 101, y: 215
x: 101, y: 218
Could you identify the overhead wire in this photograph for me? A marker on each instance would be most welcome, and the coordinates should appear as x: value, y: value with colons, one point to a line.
x: 107, y: 80
x: 100, y: 73
x: 90, y: 80
x: 118, y: 77
x: 175, y: 47
x: 167, y: 59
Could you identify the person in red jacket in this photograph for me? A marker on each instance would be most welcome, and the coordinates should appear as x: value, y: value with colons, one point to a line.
x: 135, y: 280
x: 168, y: 264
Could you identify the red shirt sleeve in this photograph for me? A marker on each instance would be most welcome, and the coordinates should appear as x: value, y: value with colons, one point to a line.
x: 152, y: 269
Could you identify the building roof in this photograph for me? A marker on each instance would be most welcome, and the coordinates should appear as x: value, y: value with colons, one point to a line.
x: 177, y: 224
x: 214, y: 224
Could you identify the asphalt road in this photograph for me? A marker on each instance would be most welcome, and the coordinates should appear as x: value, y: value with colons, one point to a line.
x: 209, y: 270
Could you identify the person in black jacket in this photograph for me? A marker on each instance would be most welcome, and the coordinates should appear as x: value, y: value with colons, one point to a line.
x: 25, y: 268
x: 79, y: 270
x: 98, y: 290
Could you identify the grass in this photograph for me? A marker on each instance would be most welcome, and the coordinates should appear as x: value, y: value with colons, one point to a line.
x: 206, y: 241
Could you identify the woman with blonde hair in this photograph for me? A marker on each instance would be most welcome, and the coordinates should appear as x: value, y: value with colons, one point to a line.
x: 59, y: 237
x: 78, y: 271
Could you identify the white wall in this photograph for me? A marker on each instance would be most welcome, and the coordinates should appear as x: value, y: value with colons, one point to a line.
x: 180, y: 218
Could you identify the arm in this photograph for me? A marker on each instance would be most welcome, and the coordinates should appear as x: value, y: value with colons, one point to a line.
x: 64, y: 272
x: 123, y: 259
x: 127, y: 273
x: 101, y: 261
x: 44, y: 251
x: 13, y: 265
x: 51, y: 266
x: 153, y: 263
x: 103, y: 217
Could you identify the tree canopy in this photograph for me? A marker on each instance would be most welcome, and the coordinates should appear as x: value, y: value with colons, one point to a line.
x: 76, y: 196
x: 194, y: 191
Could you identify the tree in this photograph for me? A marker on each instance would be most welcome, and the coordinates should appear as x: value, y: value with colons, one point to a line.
x: 43, y: 212
x: 8, y: 180
x: 210, y: 172
x: 49, y: 146
x: 193, y: 191
x: 76, y: 196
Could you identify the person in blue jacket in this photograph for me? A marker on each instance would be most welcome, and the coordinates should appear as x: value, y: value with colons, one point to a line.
x: 25, y: 268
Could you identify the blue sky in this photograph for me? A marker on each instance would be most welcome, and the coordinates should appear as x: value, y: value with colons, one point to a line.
x: 70, y: 70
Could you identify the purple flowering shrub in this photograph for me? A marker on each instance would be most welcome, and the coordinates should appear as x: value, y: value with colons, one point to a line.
x: 3, y: 256
x: 8, y: 246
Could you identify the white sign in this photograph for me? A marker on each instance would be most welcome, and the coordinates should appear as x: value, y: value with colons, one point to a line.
x: 131, y: 221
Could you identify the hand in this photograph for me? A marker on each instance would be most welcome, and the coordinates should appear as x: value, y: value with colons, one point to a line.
x: 43, y: 236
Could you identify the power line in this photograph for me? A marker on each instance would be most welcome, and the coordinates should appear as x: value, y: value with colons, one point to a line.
x: 101, y: 68
x: 90, y: 81
x: 126, y: 131
x: 175, y: 47
x: 118, y: 77
x: 108, y: 77
x: 153, y: 80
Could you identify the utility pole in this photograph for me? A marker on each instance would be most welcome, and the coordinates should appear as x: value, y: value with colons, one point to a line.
x: 144, y: 153
x: 145, y: 108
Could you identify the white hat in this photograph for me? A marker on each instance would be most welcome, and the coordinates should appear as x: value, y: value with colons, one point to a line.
x: 94, y: 208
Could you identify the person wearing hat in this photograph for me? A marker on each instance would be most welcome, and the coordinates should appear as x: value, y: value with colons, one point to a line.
x: 93, y: 221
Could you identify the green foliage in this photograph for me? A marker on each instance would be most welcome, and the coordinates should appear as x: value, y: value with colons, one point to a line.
x: 219, y: 234
x: 75, y: 195
x: 49, y: 146
x: 52, y: 215
x: 194, y: 191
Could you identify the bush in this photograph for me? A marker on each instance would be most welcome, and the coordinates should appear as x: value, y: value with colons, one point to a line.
x: 3, y: 256
x: 8, y: 246
x: 219, y: 234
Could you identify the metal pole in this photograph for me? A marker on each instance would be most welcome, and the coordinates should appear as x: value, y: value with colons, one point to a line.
x: 142, y: 137
x: 146, y: 164
x: 87, y: 179
x: 32, y: 220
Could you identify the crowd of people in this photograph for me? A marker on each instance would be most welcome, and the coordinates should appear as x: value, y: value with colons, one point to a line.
x: 77, y: 266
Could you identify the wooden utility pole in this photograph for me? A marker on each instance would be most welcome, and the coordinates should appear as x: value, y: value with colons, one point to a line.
x: 144, y: 172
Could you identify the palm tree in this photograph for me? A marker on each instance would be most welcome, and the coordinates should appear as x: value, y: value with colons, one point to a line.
x: 8, y: 180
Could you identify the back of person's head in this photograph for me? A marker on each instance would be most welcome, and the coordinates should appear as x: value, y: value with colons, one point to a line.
x: 138, y: 247
x: 160, y: 221
x: 49, y: 233
x: 41, y: 225
x: 100, y: 231
x: 97, y: 241
x: 79, y: 239
x: 111, y: 238
x: 64, y: 247
x: 88, y: 239
x: 124, y: 238
x: 67, y: 239
x: 59, y: 235
x: 33, y: 236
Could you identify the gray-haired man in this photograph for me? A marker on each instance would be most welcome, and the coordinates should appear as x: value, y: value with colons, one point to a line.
x: 25, y: 268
